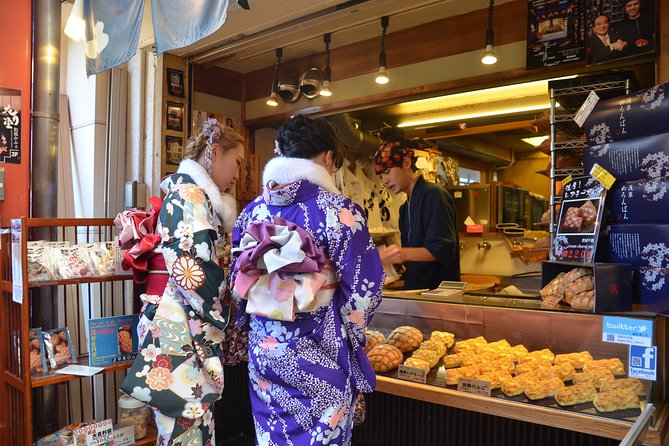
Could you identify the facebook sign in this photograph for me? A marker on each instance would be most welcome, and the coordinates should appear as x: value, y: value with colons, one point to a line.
x: 643, y: 362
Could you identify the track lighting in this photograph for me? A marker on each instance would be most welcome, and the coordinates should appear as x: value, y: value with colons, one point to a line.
x: 325, y: 88
x: 489, y: 56
x: 382, y: 77
x: 271, y: 101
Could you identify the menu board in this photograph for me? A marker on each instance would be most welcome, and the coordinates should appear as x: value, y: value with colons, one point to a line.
x: 580, y: 220
x: 555, y: 33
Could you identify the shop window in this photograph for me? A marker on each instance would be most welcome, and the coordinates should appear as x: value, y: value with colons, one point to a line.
x: 469, y: 176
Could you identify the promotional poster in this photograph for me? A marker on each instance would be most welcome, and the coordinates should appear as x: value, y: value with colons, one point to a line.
x: 555, y: 33
x: 10, y: 126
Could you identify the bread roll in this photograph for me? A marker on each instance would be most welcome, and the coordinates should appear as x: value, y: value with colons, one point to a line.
x: 384, y: 357
x: 405, y: 338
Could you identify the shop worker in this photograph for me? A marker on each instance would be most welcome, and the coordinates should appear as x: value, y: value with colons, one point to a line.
x: 308, y: 279
x: 430, y: 246
x: 179, y: 369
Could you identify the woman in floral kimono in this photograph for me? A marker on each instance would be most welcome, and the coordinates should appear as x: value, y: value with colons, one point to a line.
x: 178, y: 371
x: 307, y: 278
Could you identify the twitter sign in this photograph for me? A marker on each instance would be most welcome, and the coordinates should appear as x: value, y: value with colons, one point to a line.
x: 622, y: 330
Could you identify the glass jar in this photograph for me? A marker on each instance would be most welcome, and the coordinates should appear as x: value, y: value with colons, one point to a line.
x: 135, y: 413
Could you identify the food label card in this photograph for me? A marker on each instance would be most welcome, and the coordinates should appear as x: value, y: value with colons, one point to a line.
x: 580, y: 220
x: 411, y: 374
x: 475, y: 386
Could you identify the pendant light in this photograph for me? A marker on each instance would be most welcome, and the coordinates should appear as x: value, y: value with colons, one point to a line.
x: 271, y: 101
x: 381, y: 77
x: 325, y: 88
x: 489, y: 56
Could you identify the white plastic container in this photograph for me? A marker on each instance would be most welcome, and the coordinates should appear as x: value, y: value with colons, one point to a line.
x: 134, y: 413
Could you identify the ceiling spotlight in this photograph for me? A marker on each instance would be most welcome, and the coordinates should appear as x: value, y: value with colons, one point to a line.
x: 271, y: 101
x: 489, y: 56
x: 381, y: 77
x: 325, y: 88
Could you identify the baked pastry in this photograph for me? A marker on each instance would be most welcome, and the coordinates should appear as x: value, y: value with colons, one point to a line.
x: 374, y: 338
x: 552, y: 287
x: 579, y: 393
x: 597, y: 377
x: 456, y: 359
x: 543, y: 388
x: 575, y: 359
x: 580, y: 285
x: 588, y: 212
x: 453, y: 375
x: 624, y: 383
x: 405, y: 338
x: 125, y: 342
x: 541, y: 355
x: 614, y: 365
x: 384, y: 357
x: 532, y: 366
x: 430, y: 356
x: 472, y: 344
x: 616, y: 400
x: 518, y: 352
x: 565, y: 372
x: 571, y: 276
x: 572, y: 222
x: 501, y: 365
x: 583, y: 301
x: 435, y: 345
x: 418, y: 363
x: 496, y: 377
x: 516, y: 385
x: 448, y: 339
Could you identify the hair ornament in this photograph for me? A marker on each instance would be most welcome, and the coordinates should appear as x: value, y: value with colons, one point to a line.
x: 277, y: 149
x: 212, y: 130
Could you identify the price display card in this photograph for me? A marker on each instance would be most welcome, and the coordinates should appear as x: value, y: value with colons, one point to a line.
x: 96, y: 434
x: 580, y: 220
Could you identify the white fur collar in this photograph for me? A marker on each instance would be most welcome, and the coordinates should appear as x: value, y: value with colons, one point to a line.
x: 224, y: 205
x: 284, y: 170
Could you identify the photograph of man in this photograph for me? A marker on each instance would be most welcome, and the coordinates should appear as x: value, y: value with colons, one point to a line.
x: 430, y: 245
x: 605, y: 43
x: 638, y: 26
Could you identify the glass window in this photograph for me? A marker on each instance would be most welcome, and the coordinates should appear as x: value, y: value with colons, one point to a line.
x: 469, y: 176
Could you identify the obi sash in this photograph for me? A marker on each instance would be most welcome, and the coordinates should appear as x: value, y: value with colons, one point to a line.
x: 281, y: 271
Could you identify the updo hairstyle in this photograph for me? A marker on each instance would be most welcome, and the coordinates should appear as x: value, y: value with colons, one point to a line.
x: 228, y: 139
x: 304, y: 137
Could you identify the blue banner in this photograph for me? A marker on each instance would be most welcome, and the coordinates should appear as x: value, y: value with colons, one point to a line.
x: 622, y: 330
x: 179, y: 23
x: 112, y: 32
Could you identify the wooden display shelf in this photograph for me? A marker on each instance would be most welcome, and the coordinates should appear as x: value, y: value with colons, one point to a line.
x: 575, y: 421
x: 79, y: 280
x: 46, y: 379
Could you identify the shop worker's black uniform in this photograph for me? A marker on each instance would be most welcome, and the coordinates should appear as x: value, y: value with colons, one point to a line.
x: 427, y: 220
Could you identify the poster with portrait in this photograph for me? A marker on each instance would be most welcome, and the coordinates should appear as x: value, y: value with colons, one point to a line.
x: 620, y: 28
x: 580, y: 219
x: 175, y: 82
x: 175, y: 116
x: 173, y: 150
x: 555, y: 33
x: 10, y: 126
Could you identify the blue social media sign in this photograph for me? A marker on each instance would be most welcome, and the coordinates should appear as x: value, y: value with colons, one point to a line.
x: 643, y: 362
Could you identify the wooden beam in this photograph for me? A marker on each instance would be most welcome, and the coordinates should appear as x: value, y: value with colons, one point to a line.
x: 218, y: 81
x: 662, y: 43
x: 473, y: 130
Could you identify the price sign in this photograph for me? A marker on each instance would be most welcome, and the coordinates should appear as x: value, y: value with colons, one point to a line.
x: 475, y: 386
x: 411, y: 374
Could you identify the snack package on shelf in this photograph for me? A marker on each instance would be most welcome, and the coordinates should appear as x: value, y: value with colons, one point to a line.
x: 38, y: 257
x: 58, y: 347
x: 37, y: 357
x: 62, y: 437
x: 72, y: 262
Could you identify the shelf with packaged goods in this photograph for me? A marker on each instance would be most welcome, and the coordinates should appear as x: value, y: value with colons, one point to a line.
x: 73, y: 302
x: 79, y: 280
x: 46, y: 379
x: 518, y: 325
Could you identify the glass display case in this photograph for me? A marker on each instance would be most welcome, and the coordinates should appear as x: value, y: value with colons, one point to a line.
x: 561, y: 332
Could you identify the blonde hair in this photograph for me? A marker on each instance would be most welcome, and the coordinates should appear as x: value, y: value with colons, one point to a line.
x: 227, y: 140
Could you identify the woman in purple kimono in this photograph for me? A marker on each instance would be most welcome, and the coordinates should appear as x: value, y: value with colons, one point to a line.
x: 307, y: 278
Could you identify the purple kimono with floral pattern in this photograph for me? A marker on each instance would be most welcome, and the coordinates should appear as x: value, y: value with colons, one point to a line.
x: 305, y: 374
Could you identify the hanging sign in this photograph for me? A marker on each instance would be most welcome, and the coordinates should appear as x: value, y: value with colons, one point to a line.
x: 10, y: 126
x: 580, y: 219
x: 555, y: 33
